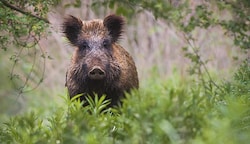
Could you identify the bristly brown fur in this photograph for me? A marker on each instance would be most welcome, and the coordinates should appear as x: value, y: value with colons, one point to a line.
x: 96, y: 47
x: 94, y: 28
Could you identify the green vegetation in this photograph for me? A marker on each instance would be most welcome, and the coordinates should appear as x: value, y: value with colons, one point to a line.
x: 162, y: 111
x: 194, y: 108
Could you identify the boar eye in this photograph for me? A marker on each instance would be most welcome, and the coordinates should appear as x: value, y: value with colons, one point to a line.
x: 106, y: 43
x: 84, y: 45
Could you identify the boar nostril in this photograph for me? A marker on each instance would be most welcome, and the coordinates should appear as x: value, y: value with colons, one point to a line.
x: 96, y: 73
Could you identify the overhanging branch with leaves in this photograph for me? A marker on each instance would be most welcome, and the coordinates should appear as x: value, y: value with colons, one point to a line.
x: 23, y: 12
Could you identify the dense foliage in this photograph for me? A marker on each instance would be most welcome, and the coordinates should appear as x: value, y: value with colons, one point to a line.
x: 162, y: 111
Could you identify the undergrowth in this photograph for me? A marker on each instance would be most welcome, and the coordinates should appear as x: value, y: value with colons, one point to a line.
x: 174, y: 110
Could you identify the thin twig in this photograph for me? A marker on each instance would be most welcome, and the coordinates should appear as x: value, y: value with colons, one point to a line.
x: 44, y: 65
x: 22, y: 11
x: 201, y: 63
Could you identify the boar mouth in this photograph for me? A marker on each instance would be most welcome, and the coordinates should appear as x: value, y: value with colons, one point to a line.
x: 96, y: 73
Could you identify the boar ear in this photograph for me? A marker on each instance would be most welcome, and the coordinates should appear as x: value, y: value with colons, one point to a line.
x: 115, y: 26
x: 72, y: 28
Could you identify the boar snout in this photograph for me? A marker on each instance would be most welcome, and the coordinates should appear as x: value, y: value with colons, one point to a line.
x: 96, y: 73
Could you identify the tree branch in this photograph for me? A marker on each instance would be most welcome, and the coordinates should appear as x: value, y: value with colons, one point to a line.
x: 23, y: 12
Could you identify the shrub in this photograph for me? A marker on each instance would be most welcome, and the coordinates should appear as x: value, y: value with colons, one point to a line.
x: 162, y: 111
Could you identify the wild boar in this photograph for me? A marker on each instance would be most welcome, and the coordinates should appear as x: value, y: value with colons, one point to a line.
x: 99, y: 65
